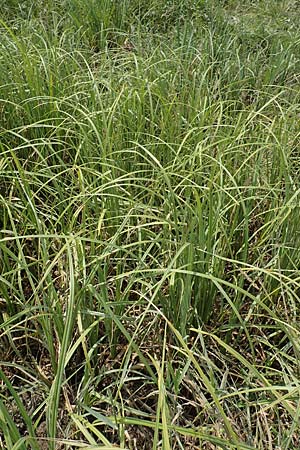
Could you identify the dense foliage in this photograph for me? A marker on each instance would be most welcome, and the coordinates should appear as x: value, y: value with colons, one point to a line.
x: 149, y: 227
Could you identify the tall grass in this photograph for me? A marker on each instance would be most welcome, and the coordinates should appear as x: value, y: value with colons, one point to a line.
x: 149, y: 233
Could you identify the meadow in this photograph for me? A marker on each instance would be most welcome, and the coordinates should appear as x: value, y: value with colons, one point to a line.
x: 149, y: 225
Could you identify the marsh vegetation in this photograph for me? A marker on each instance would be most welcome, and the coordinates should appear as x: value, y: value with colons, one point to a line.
x: 149, y: 227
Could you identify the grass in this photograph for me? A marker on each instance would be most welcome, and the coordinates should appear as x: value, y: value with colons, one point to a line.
x: 149, y: 228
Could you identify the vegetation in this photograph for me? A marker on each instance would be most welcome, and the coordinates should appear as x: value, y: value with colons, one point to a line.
x: 149, y: 228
